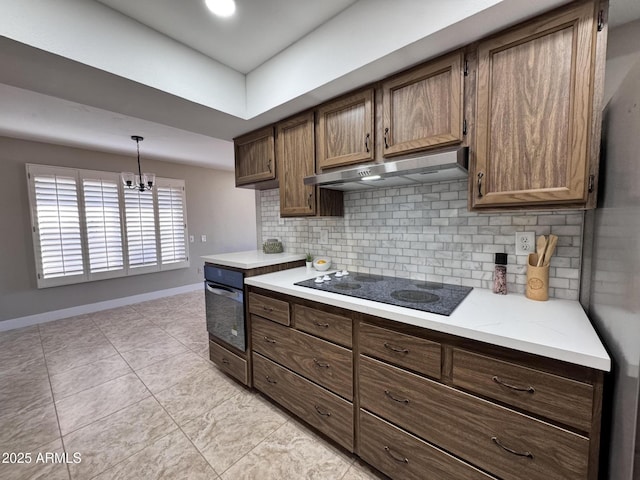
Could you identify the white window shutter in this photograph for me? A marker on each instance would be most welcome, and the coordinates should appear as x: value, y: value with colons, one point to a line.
x: 140, y: 229
x: 172, y: 223
x: 56, y: 218
x: 103, y: 223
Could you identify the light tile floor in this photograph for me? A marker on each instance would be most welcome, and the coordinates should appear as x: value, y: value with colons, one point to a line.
x: 133, y: 392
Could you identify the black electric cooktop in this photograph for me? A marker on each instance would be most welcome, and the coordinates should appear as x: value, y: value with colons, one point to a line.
x: 434, y: 297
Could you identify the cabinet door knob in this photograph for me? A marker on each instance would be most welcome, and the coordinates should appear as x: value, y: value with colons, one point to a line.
x: 386, y: 139
x: 396, y: 399
x: 269, y: 165
x: 366, y: 142
x: 513, y: 452
x: 395, y: 457
x: 271, y: 380
x: 322, y: 325
x: 528, y: 389
x: 309, y: 200
x: 480, y: 175
x: 225, y: 361
x: 321, y: 364
x: 393, y: 348
x: 268, y: 339
x: 322, y: 412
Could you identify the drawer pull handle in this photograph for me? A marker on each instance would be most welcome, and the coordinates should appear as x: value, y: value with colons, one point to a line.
x: 225, y: 361
x: 267, y: 309
x: 271, y: 380
x: 395, y: 349
x: 270, y: 340
x: 528, y: 389
x: 324, y: 413
x: 399, y: 400
x: 514, y: 452
x: 395, y: 457
x: 321, y: 364
x: 323, y: 325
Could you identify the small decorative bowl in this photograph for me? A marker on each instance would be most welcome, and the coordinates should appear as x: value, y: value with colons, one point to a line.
x: 321, y: 264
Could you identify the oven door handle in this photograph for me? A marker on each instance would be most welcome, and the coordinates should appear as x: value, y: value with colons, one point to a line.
x: 224, y: 291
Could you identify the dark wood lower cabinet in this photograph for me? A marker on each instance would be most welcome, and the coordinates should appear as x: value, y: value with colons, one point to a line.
x: 418, y: 404
x: 228, y: 362
x: 322, y: 409
x: 401, y: 455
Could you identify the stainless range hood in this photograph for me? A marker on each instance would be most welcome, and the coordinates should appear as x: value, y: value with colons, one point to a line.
x: 435, y: 167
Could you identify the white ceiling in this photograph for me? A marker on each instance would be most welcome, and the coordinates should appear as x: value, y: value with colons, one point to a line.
x: 91, y: 73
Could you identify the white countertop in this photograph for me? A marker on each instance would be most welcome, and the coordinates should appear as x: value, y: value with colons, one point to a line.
x: 557, y: 328
x: 252, y: 259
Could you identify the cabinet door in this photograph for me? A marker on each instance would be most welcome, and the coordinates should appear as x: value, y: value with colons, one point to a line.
x: 423, y: 107
x: 534, y: 112
x: 255, y: 157
x: 344, y: 134
x: 295, y: 149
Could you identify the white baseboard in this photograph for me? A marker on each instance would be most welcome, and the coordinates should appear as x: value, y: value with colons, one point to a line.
x: 94, y: 307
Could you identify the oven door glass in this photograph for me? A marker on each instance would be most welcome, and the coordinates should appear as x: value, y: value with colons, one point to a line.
x: 225, y: 314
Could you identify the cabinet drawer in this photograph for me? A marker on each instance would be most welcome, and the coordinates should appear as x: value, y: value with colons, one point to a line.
x: 228, y: 362
x: 501, y: 441
x: 271, y: 308
x: 400, y: 455
x: 327, y: 412
x: 403, y: 350
x: 322, y: 362
x: 329, y: 326
x: 557, y: 398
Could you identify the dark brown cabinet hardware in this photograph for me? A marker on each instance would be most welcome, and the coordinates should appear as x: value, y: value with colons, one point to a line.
x: 480, y: 175
x: 507, y: 449
x: 386, y: 140
x: 366, y: 142
x: 528, y: 389
x: 321, y: 364
x: 395, y: 349
x: 269, y: 165
x: 225, y: 361
x: 267, y: 309
x: 323, y: 325
x: 322, y: 412
x: 310, y: 196
x: 395, y: 399
x: 395, y: 457
x: 268, y: 339
x: 271, y: 380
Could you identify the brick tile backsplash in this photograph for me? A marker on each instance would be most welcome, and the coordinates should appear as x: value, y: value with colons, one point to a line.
x: 425, y: 232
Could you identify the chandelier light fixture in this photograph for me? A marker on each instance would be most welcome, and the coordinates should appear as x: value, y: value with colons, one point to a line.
x: 140, y: 182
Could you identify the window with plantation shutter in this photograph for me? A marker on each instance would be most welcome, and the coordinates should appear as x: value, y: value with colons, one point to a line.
x: 103, y: 223
x: 56, y: 222
x: 87, y: 226
x: 172, y: 223
x: 140, y: 228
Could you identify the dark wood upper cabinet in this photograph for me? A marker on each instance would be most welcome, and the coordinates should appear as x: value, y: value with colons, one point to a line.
x: 255, y: 157
x: 535, y: 98
x: 344, y: 131
x: 295, y: 150
x: 422, y: 108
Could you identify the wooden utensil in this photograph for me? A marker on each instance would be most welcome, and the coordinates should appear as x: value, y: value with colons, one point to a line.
x: 541, y: 246
x: 551, y: 248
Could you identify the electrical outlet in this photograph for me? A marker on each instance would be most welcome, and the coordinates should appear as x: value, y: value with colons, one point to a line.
x: 525, y: 243
x: 324, y: 236
x: 203, y: 238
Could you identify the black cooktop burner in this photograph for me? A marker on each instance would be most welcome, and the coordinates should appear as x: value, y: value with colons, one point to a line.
x: 414, y: 296
x: 428, y: 285
x: 366, y: 278
x: 434, y: 297
x: 347, y: 286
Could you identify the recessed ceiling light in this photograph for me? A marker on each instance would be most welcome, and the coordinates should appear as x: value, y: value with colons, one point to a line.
x: 222, y: 8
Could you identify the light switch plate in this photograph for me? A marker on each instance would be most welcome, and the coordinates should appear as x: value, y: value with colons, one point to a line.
x: 525, y: 243
x: 203, y: 238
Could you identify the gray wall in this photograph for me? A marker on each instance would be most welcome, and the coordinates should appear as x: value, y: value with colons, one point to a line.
x: 612, y: 252
x: 214, y: 207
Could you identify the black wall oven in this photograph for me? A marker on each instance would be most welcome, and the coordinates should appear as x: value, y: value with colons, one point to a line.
x: 224, y: 297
